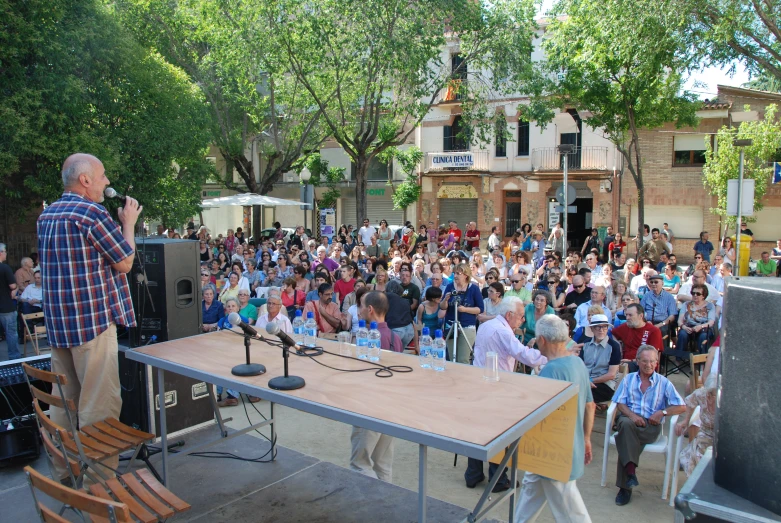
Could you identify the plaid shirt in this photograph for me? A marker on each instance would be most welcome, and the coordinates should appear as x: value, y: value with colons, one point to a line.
x: 77, y: 243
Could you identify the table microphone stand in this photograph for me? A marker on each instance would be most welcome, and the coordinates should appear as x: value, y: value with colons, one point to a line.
x: 286, y: 382
x: 249, y: 369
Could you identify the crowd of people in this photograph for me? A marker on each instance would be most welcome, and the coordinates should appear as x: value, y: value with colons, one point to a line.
x: 615, y: 305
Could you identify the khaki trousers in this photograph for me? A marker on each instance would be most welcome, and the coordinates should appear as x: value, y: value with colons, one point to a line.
x: 372, y: 454
x: 92, y: 374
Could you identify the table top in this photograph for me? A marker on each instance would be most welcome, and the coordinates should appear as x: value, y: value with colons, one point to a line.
x: 455, y: 410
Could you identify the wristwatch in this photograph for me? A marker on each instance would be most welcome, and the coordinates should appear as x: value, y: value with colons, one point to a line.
x: 664, y: 412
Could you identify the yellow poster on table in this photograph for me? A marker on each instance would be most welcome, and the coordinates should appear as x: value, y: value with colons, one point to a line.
x: 546, y: 449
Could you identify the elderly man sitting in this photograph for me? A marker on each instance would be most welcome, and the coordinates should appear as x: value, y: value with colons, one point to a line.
x: 598, y: 297
x: 644, y: 398
x: 498, y: 335
x: 274, y: 313
x: 602, y: 357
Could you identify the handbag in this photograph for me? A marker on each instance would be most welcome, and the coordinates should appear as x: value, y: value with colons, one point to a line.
x: 291, y: 309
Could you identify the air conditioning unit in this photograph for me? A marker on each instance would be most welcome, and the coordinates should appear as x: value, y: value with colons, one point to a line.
x: 289, y: 177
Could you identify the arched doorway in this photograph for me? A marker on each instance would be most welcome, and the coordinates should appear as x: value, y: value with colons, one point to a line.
x: 580, y: 222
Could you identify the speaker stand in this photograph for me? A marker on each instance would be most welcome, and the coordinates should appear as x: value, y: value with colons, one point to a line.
x: 248, y: 369
x: 286, y: 382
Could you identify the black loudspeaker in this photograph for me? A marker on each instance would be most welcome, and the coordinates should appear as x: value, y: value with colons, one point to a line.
x: 748, y: 427
x: 187, y: 400
x: 166, y: 288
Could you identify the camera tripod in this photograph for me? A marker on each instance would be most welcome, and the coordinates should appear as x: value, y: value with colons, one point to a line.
x: 455, y: 330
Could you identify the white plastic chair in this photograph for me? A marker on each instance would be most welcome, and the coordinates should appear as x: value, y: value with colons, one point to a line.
x: 677, y: 461
x: 663, y: 445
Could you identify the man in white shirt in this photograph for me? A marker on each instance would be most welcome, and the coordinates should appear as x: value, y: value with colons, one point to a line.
x: 274, y: 313
x: 597, y: 298
x: 494, y: 240
x: 498, y: 335
x: 32, y: 297
x: 366, y: 232
x: 698, y: 276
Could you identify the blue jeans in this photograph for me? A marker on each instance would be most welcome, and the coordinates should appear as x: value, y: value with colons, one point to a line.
x: 231, y: 393
x: 406, y: 334
x: 702, y: 337
x: 8, y: 320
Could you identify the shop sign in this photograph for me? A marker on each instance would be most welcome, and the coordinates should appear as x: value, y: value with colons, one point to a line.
x: 457, y: 191
x: 375, y: 192
x: 452, y: 160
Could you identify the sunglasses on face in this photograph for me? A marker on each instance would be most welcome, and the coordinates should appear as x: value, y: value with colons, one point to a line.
x: 578, y: 286
x: 697, y: 294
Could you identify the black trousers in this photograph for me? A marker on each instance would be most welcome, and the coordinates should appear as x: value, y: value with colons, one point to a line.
x: 474, y: 472
x: 602, y: 393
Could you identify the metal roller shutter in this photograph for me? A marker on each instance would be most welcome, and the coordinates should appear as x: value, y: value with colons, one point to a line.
x: 462, y: 210
x: 376, y: 209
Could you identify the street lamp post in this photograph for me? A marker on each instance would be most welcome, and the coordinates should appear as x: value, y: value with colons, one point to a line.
x: 742, y: 144
x: 305, y: 176
x: 565, y: 149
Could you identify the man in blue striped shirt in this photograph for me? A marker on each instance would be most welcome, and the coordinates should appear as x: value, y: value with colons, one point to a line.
x: 659, y: 305
x: 644, y: 398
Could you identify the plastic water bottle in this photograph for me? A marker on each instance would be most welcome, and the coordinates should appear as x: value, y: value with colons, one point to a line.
x: 425, y: 349
x: 362, y: 341
x: 310, y: 330
x: 374, y: 342
x: 298, y: 329
x: 438, y: 352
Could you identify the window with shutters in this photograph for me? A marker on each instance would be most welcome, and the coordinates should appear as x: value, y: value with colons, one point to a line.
x: 523, y: 138
x: 454, y: 138
x: 689, y: 149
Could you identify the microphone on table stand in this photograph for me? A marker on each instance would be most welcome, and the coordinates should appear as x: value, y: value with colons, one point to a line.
x: 245, y: 369
x: 285, y: 382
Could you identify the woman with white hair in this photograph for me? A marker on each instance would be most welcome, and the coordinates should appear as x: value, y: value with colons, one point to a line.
x: 701, y: 434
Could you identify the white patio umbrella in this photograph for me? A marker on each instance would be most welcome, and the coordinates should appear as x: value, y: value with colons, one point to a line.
x: 247, y: 199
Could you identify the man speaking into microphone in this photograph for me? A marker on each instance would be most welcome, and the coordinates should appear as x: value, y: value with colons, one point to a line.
x: 85, y: 257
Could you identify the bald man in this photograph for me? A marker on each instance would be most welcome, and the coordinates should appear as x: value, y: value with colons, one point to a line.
x: 85, y: 257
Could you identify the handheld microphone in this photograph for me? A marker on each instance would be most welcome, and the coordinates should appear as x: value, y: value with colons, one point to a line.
x: 235, y: 320
x: 109, y: 192
x: 273, y: 328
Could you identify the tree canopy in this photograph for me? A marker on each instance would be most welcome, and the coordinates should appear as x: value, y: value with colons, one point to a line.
x: 74, y: 80
x: 723, y: 164
x: 623, y: 61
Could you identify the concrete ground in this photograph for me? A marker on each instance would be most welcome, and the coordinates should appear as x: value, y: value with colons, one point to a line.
x: 330, y: 441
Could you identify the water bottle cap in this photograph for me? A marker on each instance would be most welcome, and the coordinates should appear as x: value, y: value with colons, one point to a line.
x: 310, y: 315
x: 298, y: 313
x: 374, y: 325
x: 438, y: 333
x: 425, y: 331
x: 361, y: 324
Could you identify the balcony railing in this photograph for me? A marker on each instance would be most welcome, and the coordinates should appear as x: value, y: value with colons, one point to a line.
x: 581, y: 159
x: 454, y: 92
x: 456, y: 161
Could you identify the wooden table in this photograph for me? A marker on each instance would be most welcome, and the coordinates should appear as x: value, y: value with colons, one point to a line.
x: 455, y: 410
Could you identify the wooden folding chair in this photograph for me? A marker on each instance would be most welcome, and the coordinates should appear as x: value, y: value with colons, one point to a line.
x: 147, y: 499
x: 99, y: 510
x: 696, y: 360
x: 38, y: 331
x: 91, y: 444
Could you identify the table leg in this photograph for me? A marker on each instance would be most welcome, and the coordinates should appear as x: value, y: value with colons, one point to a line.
x: 163, y: 428
x: 422, y: 476
x: 513, y: 480
x: 273, y: 434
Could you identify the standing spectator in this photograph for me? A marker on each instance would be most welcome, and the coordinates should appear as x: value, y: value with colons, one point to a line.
x: 384, y: 236
x: 669, y: 232
x: 366, y: 232
x: 592, y: 242
x: 618, y: 244
x: 372, y: 452
x: 433, y: 239
x: 556, y: 241
x: 465, y: 297
x: 498, y: 335
x: 410, y: 291
x: 727, y: 250
x: 667, y: 242
x: 399, y: 315
x: 191, y: 235
x: 609, y: 238
x: 472, y: 237
x: 456, y: 233
x: 703, y: 247
x: 644, y: 399
x: 8, y: 316
x: 653, y: 249
x: 24, y: 274
x: 538, y: 248
x: 745, y: 230
x: 85, y: 256
x: 494, y: 240
x: 765, y: 266
x: 566, y: 504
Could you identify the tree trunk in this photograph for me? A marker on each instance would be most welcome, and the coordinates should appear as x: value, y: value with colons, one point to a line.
x: 361, y: 168
x: 640, y: 206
